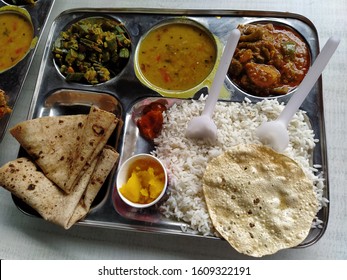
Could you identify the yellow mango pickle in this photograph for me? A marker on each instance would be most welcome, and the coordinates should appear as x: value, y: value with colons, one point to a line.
x: 131, y: 190
x: 145, y: 183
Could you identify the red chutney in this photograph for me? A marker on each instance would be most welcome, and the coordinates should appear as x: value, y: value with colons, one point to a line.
x: 270, y: 60
x: 151, y: 121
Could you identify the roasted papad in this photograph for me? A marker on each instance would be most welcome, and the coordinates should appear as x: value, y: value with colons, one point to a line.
x: 22, y: 178
x: 259, y: 201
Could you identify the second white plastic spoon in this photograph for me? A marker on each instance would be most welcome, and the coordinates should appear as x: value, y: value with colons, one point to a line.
x: 274, y: 133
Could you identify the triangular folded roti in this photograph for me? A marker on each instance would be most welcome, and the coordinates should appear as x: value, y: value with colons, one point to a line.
x: 98, y: 128
x: 51, y: 142
x: 22, y: 178
x: 64, y: 146
x: 104, y: 164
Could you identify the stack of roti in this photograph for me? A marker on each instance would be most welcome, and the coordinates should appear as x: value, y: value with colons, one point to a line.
x: 70, y: 162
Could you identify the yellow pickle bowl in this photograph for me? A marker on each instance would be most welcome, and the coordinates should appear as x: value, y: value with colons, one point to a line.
x: 141, y: 181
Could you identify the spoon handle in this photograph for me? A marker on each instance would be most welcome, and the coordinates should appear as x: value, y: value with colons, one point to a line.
x: 310, y: 79
x: 222, y: 70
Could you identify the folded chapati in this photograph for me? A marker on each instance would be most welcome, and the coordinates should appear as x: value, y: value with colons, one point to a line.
x: 65, y: 146
x: 258, y: 200
x: 105, y: 162
x: 98, y: 128
x: 51, y: 143
x: 22, y: 178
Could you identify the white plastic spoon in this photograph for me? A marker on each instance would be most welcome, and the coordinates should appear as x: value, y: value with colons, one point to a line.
x: 274, y: 133
x: 203, y: 127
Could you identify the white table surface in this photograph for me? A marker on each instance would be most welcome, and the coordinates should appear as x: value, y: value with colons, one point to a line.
x: 23, y: 237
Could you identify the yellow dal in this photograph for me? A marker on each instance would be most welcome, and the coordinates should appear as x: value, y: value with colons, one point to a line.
x: 177, y: 56
x: 16, y: 34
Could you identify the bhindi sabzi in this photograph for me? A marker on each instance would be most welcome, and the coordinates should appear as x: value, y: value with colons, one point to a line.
x: 92, y: 50
x: 270, y: 60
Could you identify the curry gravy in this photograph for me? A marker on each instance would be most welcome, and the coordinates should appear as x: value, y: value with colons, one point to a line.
x: 177, y: 56
x: 16, y: 35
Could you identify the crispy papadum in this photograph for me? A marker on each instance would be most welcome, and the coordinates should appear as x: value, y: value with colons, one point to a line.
x: 259, y: 201
x: 22, y: 178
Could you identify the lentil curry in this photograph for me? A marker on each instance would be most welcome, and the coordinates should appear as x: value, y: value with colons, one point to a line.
x: 177, y: 56
x: 270, y: 60
x: 16, y: 35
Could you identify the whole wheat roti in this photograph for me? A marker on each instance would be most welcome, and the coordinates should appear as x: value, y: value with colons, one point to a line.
x: 258, y: 200
x: 51, y: 142
x: 65, y: 146
x: 98, y: 128
x: 105, y: 162
x: 22, y: 178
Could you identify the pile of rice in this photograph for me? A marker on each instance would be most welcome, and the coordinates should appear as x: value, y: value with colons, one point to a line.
x: 187, y: 159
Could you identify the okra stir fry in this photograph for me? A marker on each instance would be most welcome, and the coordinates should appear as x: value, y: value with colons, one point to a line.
x: 92, y: 50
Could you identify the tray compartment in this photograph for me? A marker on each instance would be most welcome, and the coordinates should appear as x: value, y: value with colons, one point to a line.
x: 71, y: 102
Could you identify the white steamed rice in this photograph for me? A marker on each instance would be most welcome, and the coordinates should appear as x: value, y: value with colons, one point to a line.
x: 187, y: 159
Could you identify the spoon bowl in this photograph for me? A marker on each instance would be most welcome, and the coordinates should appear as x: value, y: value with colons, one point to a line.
x: 275, y: 133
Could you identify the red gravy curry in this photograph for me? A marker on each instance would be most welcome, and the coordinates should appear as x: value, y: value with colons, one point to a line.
x: 270, y: 60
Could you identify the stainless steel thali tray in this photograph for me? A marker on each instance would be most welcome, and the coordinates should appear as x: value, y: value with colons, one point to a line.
x: 55, y: 96
x: 12, y: 80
